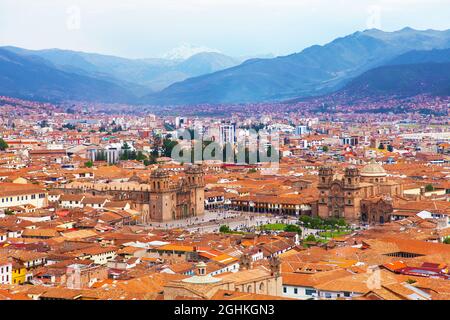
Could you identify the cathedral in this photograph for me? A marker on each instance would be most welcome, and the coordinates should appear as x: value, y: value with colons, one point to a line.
x: 160, y: 198
x: 171, y: 201
x: 358, y: 195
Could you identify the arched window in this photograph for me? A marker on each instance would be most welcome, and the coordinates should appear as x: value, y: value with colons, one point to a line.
x: 261, y: 287
x: 249, y: 289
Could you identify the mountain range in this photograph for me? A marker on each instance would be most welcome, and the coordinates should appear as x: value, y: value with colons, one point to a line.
x: 369, y: 62
x: 151, y: 74
x: 410, y: 74
x: 317, y: 70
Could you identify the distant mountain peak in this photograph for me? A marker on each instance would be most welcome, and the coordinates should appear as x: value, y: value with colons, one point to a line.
x: 185, y: 51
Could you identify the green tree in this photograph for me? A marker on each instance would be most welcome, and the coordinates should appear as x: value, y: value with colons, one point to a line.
x: 429, y: 188
x: 311, y: 238
x: 117, y: 128
x: 69, y: 126
x: 125, y: 154
x: 390, y: 148
x: 381, y: 146
x: 3, y: 145
x: 224, y: 229
x: 88, y: 164
x: 168, y: 146
x: 447, y: 240
x: 149, y: 161
x: 140, y: 156
x: 325, y: 148
x: 293, y: 228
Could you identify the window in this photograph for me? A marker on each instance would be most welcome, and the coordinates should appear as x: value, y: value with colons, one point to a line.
x: 295, y: 291
x: 261, y: 286
x: 347, y: 294
x: 309, y: 292
x: 284, y: 290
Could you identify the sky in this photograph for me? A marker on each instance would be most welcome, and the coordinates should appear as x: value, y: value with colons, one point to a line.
x: 240, y: 28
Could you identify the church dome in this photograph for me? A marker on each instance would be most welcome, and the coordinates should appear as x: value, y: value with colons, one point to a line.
x: 373, y: 169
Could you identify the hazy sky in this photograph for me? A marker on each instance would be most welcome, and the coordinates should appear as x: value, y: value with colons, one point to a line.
x: 149, y: 28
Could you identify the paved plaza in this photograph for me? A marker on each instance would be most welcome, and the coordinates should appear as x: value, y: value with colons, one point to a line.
x: 237, y: 221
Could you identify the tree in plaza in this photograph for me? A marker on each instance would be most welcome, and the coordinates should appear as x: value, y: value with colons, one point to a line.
x: 429, y: 188
x: 293, y: 228
x: 224, y: 229
x: 88, y: 164
x: 3, y: 145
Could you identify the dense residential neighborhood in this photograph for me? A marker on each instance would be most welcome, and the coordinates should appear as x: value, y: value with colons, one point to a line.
x: 100, y: 206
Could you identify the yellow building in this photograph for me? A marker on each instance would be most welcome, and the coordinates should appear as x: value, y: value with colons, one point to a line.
x: 19, y: 273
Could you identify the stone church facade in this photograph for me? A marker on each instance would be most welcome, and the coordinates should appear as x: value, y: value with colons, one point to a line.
x: 159, y: 199
x: 358, y: 195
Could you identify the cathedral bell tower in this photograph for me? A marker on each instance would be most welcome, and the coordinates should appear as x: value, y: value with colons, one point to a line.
x: 196, y: 182
x: 162, y: 197
x: 159, y: 181
x: 326, y: 175
x: 352, y: 193
x: 351, y: 177
x: 194, y: 175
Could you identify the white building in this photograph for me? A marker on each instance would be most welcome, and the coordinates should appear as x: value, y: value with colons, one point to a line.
x: 16, y: 195
x: 300, y: 130
x: 5, y: 271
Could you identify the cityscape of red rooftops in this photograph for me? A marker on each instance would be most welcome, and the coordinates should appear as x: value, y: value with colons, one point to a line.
x: 319, y: 174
